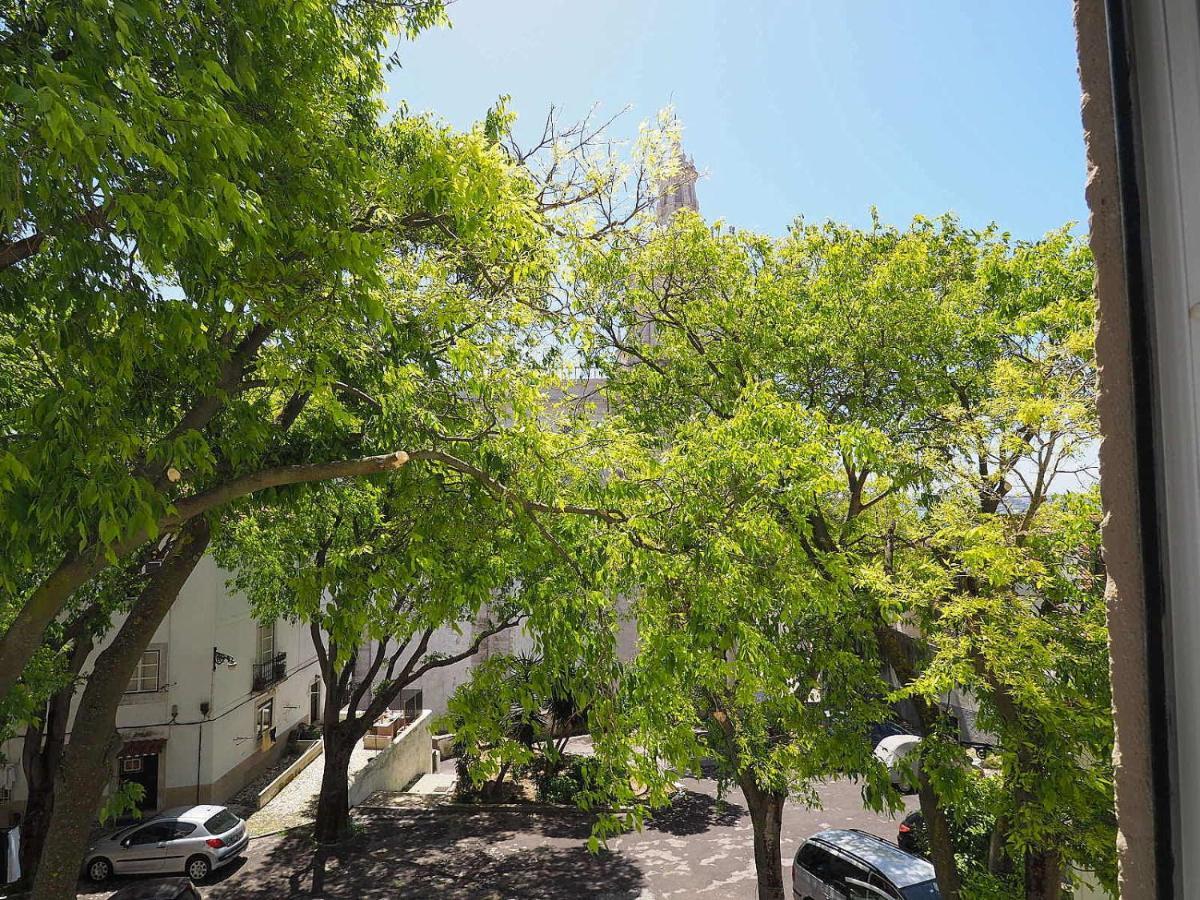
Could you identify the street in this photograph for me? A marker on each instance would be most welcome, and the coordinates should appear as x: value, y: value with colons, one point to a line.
x: 699, y: 848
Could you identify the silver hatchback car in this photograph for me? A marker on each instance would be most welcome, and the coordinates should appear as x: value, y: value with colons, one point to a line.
x: 194, y: 840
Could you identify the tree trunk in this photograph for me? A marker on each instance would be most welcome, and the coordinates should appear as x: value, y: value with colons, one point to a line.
x: 26, y: 631
x: 999, y: 862
x: 39, y: 777
x: 941, y: 841
x: 43, y: 749
x: 86, y: 768
x: 492, y: 788
x: 333, y: 804
x: 1043, y: 875
x: 341, y: 735
x: 901, y: 652
x: 766, y: 817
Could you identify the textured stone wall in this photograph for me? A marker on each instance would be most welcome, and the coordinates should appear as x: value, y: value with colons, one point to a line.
x: 1118, y: 464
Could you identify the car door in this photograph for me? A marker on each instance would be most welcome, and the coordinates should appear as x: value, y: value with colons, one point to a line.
x: 842, y: 874
x: 857, y: 889
x: 180, y: 846
x: 145, y: 850
x: 810, y: 872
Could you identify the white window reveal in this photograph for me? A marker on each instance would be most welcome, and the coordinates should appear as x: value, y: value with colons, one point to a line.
x: 266, y: 642
x: 145, y: 677
x: 264, y: 727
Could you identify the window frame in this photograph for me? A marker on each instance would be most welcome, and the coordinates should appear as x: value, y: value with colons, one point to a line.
x: 148, y: 827
x: 139, y: 677
x: 261, y: 730
x: 264, y: 628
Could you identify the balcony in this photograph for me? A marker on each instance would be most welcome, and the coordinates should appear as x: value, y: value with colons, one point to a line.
x: 269, y: 672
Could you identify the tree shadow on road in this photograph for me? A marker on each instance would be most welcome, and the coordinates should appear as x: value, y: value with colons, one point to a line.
x: 484, y: 855
x: 694, y: 813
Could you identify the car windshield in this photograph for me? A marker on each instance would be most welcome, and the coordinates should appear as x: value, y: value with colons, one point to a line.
x: 925, y: 890
x: 221, y: 822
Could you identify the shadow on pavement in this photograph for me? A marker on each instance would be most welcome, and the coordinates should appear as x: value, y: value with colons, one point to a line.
x: 694, y: 813
x: 473, y: 855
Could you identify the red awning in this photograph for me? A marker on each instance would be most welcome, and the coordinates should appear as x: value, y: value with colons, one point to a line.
x: 143, y: 747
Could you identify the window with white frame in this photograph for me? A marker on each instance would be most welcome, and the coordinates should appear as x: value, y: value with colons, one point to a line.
x: 145, y: 677
x: 266, y: 642
x: 264, y: 719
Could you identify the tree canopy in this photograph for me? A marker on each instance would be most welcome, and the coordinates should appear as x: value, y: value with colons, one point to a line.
x: 854, y: 448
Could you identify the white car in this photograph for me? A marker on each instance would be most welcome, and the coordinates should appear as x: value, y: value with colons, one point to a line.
x: 194, y: 840
x: 896, y: 752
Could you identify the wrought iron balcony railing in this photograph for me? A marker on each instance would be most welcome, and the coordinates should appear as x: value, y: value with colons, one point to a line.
x: 270, y: 671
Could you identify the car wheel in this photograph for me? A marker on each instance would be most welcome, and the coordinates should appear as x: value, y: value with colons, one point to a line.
x: 99, y: 869
x: 198, y: 868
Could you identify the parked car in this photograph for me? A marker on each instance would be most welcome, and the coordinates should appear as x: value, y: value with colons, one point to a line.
x: 167, y: 889
x: 896, y: 752
x: 889, y: 728
x: 971, y: 834
x: 910, y: 836
x: 854, y: 865
x: 194, y: 840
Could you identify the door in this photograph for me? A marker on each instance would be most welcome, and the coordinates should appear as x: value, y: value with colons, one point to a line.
x: 145, y: 850
x: 861, y: 890
x: 180, y: 846
x: 842, y: 873
x: 142, y: 770
x: 818, y: 874
x: 314, y: 703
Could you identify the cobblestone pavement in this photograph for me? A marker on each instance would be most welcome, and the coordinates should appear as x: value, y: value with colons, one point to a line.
x: 296, y: 804
x: 700, y: 848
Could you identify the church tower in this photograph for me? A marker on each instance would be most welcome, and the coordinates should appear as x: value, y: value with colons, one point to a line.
x: 675, y: 193
x: 679, y: 191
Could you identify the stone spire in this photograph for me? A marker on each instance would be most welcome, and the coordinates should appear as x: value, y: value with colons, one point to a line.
x: 675, y: 193
x: 679, y: 191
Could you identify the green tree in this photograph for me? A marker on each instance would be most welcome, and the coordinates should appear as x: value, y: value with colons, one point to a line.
x: 309, y: 322
x: 517, y: 713
x: 808, y: 407
x: 224, y: 157
x: 383, y: 567
x: 1005, y: 577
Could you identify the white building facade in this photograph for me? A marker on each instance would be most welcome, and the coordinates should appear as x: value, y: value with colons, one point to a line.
x: 211, y: 703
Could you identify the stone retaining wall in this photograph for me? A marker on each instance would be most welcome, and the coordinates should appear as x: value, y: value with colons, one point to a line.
x: 409, y: 756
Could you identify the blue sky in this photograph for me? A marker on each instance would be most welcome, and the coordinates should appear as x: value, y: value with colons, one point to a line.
x: 793, y: 107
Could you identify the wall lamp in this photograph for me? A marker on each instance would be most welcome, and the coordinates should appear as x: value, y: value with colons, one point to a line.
x: 222, y: 659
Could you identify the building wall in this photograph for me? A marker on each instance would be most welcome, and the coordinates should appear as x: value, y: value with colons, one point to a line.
x: 1123, y: 540
x: 438, y: 685
x: 207, y: 756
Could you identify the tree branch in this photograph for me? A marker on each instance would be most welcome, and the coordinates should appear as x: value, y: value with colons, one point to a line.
x: 612, y: 516
x: 443, y: 661
x: 13, y: 252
